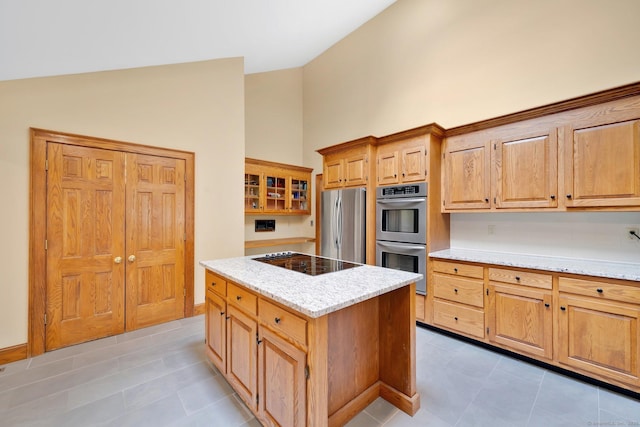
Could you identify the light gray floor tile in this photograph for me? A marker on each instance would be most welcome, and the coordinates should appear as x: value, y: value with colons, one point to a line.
x: 568, y: 399
x: 63, y: 382
x: 160, y: 376
x: 163, y: 412
x: 165, y: 385
x: 620, y: 405
x: 106, y: 386
x: 204, y: 393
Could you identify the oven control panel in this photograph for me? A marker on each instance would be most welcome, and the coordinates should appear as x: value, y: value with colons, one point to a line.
x: 412, y: 190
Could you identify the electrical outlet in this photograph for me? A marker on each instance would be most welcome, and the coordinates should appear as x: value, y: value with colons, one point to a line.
x: 635, y: 230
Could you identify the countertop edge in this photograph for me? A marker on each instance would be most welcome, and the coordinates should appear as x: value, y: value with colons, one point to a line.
x: 594, y: 268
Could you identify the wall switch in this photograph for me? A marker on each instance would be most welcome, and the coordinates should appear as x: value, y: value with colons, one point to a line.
x: 635, y: 230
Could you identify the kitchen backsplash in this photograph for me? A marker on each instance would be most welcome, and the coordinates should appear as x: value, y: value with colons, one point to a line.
x: 585, y: 235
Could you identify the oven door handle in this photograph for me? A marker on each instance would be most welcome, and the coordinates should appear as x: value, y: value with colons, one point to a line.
x: 401, y: 202
x: 401, y: 247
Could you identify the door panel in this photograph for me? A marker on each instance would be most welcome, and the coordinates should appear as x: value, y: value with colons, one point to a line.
x: 85, y: 235
x: 155, y: 240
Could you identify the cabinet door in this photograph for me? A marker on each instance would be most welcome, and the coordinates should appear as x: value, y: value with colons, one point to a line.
x: 355, y: 170
x: 526, y: 172
x: 388, y: 168
x: 414, y: 164
x: 333, y: 171
x: 299, y: 195
x: 521, y: 318
x: 215, y: 333
x: 276, y: 193
x: 599, y: 337
x: 602, y: 165
x: 242, y: 336
x: 253, y: 191
x: 466, y: 176
x: 282, y: 381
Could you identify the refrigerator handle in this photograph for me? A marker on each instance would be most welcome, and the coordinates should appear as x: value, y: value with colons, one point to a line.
x: 340, y: 214
x: 334, y: 225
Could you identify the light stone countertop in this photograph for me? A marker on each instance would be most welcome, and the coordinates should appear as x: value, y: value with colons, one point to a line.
x: 313, y: 296
x: 587, y: 267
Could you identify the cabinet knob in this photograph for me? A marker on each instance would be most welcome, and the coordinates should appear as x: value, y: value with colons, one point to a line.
x: 394, y: 175
x: 455, y: 290
x: 518, y: 278
x: 546, y: 304
x: 238, y: 297
x: 117, y: 259
x: 277, y: 320
x: 455, y: 270
x: 402, y: 173
x: 213, y: 283
x: 131, y: 258
x: 568, y: 196
x: 222, y: 313
x: 563, y: 308
x: 456, y: 318
x: 486, y: 200
x: 599, y: 290
x: 553, y: 197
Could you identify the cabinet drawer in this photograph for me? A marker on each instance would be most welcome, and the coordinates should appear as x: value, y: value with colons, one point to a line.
x: 455, y: 268
x: 610, y: 291
x: 535, y: 280
x: 243, y: 298
x: 216, y: 283
x: 460, y: 318
x: 458, y: 289
x: 283, y: 320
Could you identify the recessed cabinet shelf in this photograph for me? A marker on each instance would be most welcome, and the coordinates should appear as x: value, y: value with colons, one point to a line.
x: 276, y: 188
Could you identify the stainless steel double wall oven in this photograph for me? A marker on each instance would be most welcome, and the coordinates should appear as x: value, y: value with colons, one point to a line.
x: 401, y: 229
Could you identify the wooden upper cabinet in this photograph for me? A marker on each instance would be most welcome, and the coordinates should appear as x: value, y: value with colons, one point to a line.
x: 466, y: 177
x: 347, y: 165
x: 276, y: 188
x: 526, y: 172
x: 602, y: 165
x: 401, y: 161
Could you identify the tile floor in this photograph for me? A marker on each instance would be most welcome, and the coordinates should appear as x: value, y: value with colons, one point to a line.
x: 159, y: 376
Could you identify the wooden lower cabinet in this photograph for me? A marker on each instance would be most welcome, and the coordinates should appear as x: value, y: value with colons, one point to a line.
x: 242, y: 348
x: 281, y: 380
x: 295, y: 371
x: 599, y: 337
x: 216, y: 330
x: 521, y: 318
x: 420, y: 313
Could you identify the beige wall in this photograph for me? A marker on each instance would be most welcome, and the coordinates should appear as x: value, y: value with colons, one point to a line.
x: 196, y: 107
x: 273, y: 132
x: 459, y: 61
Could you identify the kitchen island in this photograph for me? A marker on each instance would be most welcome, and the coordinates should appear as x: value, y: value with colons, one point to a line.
x: 312, y: 350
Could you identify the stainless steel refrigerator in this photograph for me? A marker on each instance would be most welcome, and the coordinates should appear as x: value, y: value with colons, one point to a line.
x: 343, y: 224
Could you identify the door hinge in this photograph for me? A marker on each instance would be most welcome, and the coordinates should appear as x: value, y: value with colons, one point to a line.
x: 184, y: 237
x: 487, y: 330
x: 257, y: 399
x: 306, y: 372
x: 487, y: 292
x: 494, y: 146
x: 494, y: 200
x: 46, y: 165
x: 45, y: 318
x: 184, y: 292
x: 46, y: 245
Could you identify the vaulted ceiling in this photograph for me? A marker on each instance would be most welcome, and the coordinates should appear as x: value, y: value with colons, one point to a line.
x: 45, y: 38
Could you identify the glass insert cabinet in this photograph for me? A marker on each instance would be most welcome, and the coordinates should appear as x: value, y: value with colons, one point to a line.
x: 276, y: 188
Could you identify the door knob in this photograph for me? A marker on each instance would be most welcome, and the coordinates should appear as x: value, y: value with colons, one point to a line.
x: 131, y: 258
x: 117, y: 259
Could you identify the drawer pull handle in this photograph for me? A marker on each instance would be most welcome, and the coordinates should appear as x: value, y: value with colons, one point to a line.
x: 455, y: 270
x: 599, y: 290
x: 277, y: 320
x: 456, y: 318
x: 518, y: 278
x: 238, y: 297
x: 213, y: 283
x: 546, y: 304
x: 563, y: 308
x: 455, y: 290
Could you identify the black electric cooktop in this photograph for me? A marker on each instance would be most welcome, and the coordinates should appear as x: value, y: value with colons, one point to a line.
x: 307, y: 264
